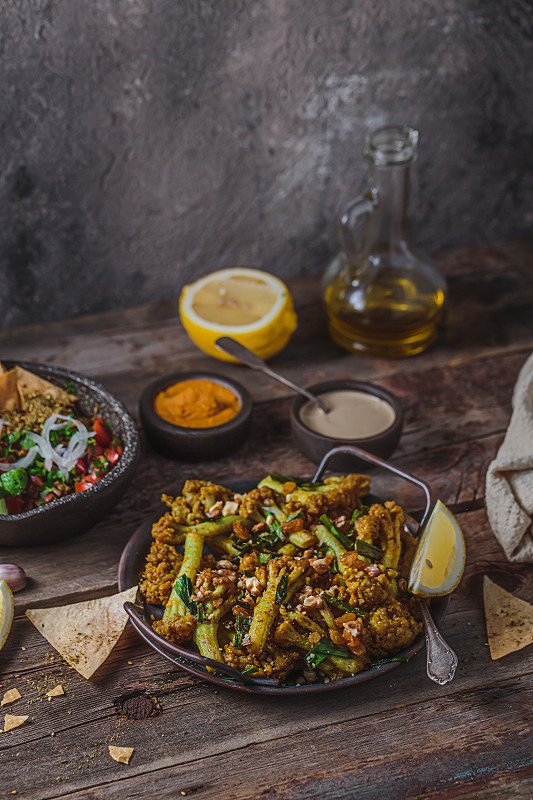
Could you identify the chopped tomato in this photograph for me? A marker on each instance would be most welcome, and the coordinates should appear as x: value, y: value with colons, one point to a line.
x: 112, y: 456
x: 48, y: 497
x: 80, y: 466
x: 86, y: 482
x: 14, y: 504
x: 102, y: 432
x: 37, y: 480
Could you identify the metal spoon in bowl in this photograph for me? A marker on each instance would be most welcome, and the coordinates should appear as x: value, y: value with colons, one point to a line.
x: 234, y: 348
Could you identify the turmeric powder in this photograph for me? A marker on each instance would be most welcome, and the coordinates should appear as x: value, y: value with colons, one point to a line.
x: 197, y: 403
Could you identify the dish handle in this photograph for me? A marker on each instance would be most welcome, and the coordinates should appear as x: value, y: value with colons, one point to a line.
x: 356, y: 452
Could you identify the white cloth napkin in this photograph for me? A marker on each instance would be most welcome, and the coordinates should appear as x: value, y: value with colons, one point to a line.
x: 509, y: 489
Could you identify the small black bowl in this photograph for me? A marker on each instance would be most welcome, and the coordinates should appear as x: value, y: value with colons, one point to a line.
x: 194, y: 444
x: 315, y: 445
x: 75, y: 513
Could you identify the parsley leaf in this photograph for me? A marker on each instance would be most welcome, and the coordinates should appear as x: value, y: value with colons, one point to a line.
x: 368, y: 550
x: 281, y: 591
x: 242, y: 627
x: 322, y: 650
x: 302, y: 484
x: 183, y: 588
x: 342, y: 606
x: 344, y: 540
x: 359, y: 512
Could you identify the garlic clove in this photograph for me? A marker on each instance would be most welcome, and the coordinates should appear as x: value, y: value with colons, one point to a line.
x: 14, y: 576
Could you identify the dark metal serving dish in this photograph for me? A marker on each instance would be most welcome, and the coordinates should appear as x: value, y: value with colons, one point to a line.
x: 75, y: 513
x: 132, y: 565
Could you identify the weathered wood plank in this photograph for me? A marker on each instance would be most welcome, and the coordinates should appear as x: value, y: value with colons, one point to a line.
x: 197, y: 723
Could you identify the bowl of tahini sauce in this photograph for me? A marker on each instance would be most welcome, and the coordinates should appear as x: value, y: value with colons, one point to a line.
x: 360, y: 414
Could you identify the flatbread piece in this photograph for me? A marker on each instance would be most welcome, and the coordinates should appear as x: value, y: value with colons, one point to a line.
x: 121, y: 754
x: 509, y: 620
x: 10, y: 399
x: 29, y: 384
x: 84, y: 633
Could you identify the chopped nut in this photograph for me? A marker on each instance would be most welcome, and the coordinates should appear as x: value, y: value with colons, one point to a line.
x: 292, y: 525
x: 253, y: 585
x: 225, y: 564
x: 313, y: 602
x: 373, y: 570
x: 259, y: 527
x: 240, y: 530
x: 350, y: 633
x: 352, y: 559
x: 320, y: 565
x: 215, y: 510
x: 229, y: 508
x: 345, y: 618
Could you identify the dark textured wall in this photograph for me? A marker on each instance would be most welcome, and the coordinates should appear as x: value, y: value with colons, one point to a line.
x: 145, y: 142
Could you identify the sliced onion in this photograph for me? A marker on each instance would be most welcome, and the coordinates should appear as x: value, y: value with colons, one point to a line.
x: 25, y: 461
x: 65, y: 457
x: 45, y: 448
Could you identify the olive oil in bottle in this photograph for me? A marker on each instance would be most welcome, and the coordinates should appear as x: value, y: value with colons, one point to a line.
x: 383, y: 297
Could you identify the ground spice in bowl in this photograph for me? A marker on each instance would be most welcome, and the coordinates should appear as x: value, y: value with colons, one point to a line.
x: 197, y: 403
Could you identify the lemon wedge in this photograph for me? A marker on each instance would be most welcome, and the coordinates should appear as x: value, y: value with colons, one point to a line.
x: 7, y: 609
x: 249, y: 305
x: 439, y: 560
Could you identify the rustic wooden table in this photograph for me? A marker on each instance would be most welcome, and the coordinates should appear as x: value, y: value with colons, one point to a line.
x: 399, y: 736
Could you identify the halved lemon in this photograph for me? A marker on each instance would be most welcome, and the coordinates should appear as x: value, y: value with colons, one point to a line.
x: 7, y: 609
x: 439, y: 560
x: 249, y: 305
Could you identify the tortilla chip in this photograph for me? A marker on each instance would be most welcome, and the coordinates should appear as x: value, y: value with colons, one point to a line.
x: 10, y: 697
x: 10, y: 399
x: 121, y: 754
x: 84, y: 633
x: 11, y: 722
x: 57, y: 691
x: 509, y: 620
x: 29, y: 384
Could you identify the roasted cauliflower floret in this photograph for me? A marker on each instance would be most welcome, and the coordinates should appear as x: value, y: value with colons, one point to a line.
x: 166, y: 529
x: 197, y: 502
x: 162, y: 566
x: 337, y: 496
x: 253, y: 502
x: 176, y: 629
x: 276, y: 662
x: 364, y: 590
x: 390, y: 628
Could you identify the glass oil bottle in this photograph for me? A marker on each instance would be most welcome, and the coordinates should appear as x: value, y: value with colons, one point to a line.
x: 383, y: 297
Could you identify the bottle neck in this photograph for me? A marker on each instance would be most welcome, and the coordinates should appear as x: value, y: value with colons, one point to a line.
x: 390, y: 220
